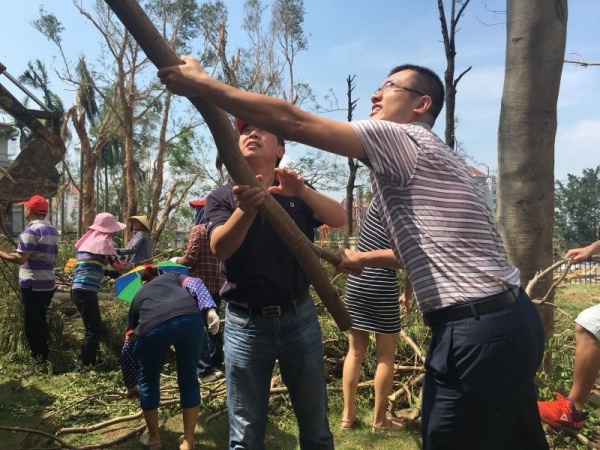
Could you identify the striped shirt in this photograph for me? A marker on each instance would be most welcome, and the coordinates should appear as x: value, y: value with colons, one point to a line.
x: 435, y: 216
x: 372, y: 296
x: 202, y: 263
x: 39, y: 239
x: 89, y: 271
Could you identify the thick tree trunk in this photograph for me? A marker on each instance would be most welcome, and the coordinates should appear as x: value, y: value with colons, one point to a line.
x: 536, y: 35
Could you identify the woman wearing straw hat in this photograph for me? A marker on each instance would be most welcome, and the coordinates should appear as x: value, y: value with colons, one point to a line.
x: 138, y: 249
x: 95, y: 250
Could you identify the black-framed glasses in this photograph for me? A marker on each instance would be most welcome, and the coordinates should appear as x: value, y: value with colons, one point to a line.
x: 391, y: 85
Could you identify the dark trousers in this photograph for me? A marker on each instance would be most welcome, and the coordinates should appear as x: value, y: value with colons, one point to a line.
x: 35, y: 307
x: 211, y: 352
x: 87, y: 305
x: 478, y: 391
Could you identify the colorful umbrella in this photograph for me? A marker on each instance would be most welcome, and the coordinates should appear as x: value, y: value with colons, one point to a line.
x: 128, y: 284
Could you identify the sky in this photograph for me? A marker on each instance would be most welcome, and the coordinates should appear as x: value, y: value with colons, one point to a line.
x: 367, y: 39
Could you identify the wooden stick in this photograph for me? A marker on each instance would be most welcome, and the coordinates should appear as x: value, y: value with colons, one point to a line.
x: 158, y: 51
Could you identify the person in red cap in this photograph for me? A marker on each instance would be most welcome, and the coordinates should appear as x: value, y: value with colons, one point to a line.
x: 36, y: 253
x: 270, y: 316
x: 204, y: 265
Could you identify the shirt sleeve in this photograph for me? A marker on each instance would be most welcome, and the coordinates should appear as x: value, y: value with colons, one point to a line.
x: 193, y: 250
x: 134, y: 244
x: 196, y: 288
x: 28, y: 240
x: 219, y: 207
x: 391, y: 153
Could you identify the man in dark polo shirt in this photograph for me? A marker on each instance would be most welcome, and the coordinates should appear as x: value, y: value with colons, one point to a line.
x: 270, y: 315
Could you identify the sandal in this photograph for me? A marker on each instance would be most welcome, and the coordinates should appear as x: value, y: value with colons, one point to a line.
x: 349, y: 424
x: 145, y: 442
x: 391, y: 425
x: 181, y: 439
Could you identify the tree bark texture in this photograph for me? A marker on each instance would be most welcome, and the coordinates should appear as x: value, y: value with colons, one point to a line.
x: 535, y: 48
x: 158, y: 51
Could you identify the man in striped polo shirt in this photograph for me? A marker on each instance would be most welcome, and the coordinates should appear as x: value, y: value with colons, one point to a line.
x: 487, y: 339
x: 36, y: 253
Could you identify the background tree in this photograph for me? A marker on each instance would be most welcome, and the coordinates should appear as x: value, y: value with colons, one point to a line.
x: 536, y: 37
x: 449, y: 32
x: 577, y: 209
x: 353, y: 164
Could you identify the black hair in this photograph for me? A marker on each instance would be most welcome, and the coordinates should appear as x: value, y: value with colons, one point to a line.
x: 430, y: 83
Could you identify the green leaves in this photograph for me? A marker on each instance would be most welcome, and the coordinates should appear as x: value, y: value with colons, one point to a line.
x: 577, y: 208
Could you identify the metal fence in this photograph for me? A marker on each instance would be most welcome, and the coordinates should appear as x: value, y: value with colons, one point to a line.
x: 587, y: 272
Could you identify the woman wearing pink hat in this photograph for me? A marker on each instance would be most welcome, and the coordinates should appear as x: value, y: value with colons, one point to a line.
x: 95, y: 250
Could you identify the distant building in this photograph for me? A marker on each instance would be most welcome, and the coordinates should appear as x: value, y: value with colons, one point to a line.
x: 13, y: 214
x: 488, y: 186
x: 65, y: 216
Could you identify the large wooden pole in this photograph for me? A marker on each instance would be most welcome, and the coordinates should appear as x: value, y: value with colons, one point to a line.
x: 158, y: 51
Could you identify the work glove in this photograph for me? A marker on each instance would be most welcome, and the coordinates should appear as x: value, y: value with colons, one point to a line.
x: 175, y: 259
x: 212, y: 320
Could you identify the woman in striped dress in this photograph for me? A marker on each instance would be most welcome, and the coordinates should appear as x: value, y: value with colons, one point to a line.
x: 372, y: 302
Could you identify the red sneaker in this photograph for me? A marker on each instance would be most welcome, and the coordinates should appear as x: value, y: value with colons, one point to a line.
x: 561, y: 413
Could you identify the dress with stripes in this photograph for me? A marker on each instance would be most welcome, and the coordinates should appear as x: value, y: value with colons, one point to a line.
x: 372, y: 297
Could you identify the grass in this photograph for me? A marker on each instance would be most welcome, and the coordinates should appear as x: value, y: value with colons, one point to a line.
x: 51, y: 402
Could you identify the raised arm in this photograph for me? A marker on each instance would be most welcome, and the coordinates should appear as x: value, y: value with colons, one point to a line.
x: 271, y: 114
x: 326, y: 209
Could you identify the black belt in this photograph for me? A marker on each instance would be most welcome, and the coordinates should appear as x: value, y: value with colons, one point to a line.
x: 473, y: 308
x: 273, y: 310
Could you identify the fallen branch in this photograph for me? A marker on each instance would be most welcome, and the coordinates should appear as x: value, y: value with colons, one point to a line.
x: 65, y: 444
x: 538, y: 276
x: 107, y: 423
x: 412, y: 343
x: 216, y: 415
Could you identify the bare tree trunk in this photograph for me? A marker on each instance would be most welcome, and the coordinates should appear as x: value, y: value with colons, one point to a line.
x: 352, y: 163
x: 536, y: 35
x: 449, y: 36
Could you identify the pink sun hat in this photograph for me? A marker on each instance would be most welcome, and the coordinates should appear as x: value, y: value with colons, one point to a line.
x: 98, y: 239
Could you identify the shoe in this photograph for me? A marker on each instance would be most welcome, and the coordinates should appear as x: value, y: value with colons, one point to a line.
x: 35, y: 365
x: 349, y: 424
x: 211, y: 377
x: 133, y: 392
x: 145, y: 442
x: 561, y: 413
x: 28, y: 372
x: 391, y: 425
x: 181, y: 439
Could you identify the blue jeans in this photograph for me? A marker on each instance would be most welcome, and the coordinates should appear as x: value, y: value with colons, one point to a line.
x: 211, y: 354
x: 252, y: 345
x: 185, y: 334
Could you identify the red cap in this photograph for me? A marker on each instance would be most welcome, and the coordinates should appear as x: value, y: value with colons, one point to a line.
x: 36, y: 204
x: 196, y: 203
x: 240, y: 125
